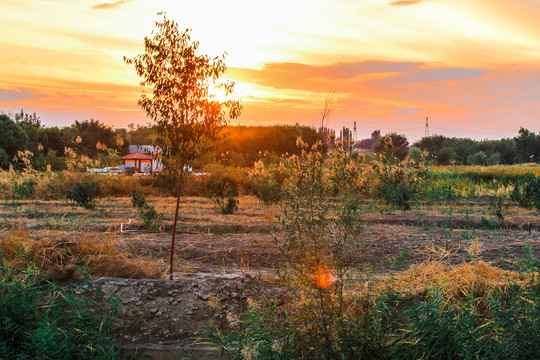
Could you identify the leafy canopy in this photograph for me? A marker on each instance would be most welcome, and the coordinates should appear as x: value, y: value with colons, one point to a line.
x: 12, y: 140
x: 189, y: 118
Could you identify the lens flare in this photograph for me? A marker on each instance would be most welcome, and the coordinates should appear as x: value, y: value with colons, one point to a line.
x: 323, y: 278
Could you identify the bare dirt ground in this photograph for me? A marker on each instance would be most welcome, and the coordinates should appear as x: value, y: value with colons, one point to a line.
x: 214, y: 252
x: 247, y: 240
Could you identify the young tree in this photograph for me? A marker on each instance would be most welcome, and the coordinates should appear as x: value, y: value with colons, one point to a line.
x: 188, y: 118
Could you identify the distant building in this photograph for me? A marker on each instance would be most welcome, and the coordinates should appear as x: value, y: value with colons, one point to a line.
x: 142, y: 163
x: 144, y: 158
x: 369, y: 144
x: 145, y: 149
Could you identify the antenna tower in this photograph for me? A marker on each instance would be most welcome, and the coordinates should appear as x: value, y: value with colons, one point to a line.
x: 354, y: 133
x: 427, y: 127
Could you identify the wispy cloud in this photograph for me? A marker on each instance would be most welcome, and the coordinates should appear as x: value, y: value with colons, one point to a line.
x: 104, y: 6
x: 18, y: 94
x: 351, y: 77
x: 405, y: 2
x: 442, y: 74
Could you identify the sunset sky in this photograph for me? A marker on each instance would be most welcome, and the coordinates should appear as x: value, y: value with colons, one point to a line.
x: 471, y: 66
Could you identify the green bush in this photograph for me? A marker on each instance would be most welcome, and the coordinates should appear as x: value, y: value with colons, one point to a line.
x: 224, y: 194
x: 40, y: 320
x: 148, y: 214
x: 439, y: 191
x: 496, y: 212
x: 478, y: 158
x: 269, y: 192
x: 138, y: 199
x: 83, y: 194
x: 24, y: 190
x: 494, y: 159
x: 527, y: 191
x: 500, y: 324
x: 398, y: 186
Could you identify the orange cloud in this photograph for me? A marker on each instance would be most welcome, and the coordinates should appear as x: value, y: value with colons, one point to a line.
x: 405, y: 2
x: 110, y: 5
x: 397, y: 96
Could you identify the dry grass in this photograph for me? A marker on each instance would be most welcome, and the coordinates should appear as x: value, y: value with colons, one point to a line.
x: 455, y: 282
x: 59, y: 258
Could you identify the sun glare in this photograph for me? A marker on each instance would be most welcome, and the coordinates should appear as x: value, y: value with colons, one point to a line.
x: 218, y: 93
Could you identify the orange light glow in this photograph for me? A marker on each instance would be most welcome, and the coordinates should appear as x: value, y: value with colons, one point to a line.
x: 323, y: 278
x: 218, y: 93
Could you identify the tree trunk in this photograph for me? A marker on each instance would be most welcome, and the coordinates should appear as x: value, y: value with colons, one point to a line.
x: 179, y: 193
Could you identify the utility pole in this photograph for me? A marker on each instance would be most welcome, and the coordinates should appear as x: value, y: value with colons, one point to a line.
x: 427, y: 127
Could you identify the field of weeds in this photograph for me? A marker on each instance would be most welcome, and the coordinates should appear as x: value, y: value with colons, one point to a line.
x: 442, y: 251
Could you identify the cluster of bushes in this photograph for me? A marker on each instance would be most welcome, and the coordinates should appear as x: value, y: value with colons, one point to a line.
x: 502, y: 324
x: 386, y: 179
x: 527, y: 191
x: 329, y: 310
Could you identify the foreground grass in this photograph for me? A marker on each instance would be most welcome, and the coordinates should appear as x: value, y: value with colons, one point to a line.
x: 431, y: 311
x: 41, y: 320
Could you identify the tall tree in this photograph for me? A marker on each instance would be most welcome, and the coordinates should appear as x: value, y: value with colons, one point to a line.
x: 12, y: 139
x: 188, y: 118
x: 527, y: 146
x: 91, y: 132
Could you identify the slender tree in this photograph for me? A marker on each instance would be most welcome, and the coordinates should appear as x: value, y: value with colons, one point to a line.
x: 189, y: 119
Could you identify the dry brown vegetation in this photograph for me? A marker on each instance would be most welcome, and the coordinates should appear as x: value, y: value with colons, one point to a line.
x: 455, y: 282
x: 57, y: 232
x: 60, y: 257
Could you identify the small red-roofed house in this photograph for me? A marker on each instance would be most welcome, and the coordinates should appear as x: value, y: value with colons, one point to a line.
x: 141, y: 162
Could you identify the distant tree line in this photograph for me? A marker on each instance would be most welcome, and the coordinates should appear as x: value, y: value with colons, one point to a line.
x: 23, y: 131
x: 245, y: 144
x: 442, y: 150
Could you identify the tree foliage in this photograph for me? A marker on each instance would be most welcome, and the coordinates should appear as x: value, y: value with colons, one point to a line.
x: 393, y: 146
x: 91, y: 132
x: 188, y: 118
x: 443, y: 150
x: 254, y: 141
x: 527, y: 146
x: 12, y: 140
